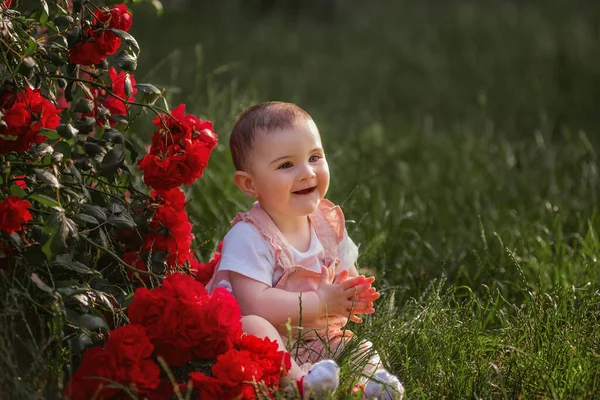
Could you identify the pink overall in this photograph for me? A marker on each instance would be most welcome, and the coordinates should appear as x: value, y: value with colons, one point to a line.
x: 321, y: 338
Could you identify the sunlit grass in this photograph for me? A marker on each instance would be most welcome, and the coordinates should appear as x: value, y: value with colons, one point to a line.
x: 463, y: 150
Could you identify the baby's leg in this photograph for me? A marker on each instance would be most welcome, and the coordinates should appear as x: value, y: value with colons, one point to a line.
x: 260, y: 327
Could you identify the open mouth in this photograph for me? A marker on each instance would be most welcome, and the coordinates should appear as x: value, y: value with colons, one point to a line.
x: 306, y: 191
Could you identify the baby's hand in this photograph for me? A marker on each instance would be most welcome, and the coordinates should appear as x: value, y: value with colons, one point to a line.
x: 343, y: 296
x: 368, y: 295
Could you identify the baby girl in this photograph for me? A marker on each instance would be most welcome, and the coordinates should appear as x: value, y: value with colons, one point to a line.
x: 289, y: 260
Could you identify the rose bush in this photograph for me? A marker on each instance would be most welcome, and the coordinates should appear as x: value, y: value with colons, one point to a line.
x: 79, y: 235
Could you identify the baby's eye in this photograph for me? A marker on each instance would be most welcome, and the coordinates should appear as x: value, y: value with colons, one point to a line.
x: 285, y: 165
x: 314, y: 158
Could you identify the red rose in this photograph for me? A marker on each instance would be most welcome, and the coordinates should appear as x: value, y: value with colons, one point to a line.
x: 124, y: 360
x: 182, y: 286
x: 174, y: 198
x: 20, y: 181
x: 96, y: 363
x: 171, y: 314
x: 25, y: 118
x: 130, y: 342
x: 178, y: 126
x: 114, y: 105
x: 183, y: 322
x: 181, y: 168
x: 255, y: 359
x: 14, y: 212
x: 148, y: 309
x: 221, y: 324
x: 275, y: 363
x: 232, y: 377
x: 117, y: 17
x: 94, y: 46
x: 180, y: 150
x: 171, y: 232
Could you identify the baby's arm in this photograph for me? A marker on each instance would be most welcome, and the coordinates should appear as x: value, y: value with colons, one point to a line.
x: 277, y: 305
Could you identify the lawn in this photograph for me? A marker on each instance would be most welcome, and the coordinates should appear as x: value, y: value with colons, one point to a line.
x: 462, y: 139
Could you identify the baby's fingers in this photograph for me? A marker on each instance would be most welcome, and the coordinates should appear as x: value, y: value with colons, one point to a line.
x: 342, y: 276
x: 356, y: 291
x: 369, y: 295
x: 355, y: 318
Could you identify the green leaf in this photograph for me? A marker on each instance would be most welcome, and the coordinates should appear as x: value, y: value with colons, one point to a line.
x: 94, y: 150
x: 49, y: 133
x: 86, y: 218
x: 69, y: 291
x: 149, y: 92
x: 31, y: 47
x: 67, y: 131
x: 48, y: 178
x: 17, y: 190
x: 64, y: 148
x: 45, y: 200
x: 75, y: 172
x: 126, y: 61
x: 122, y: 220
x: 45, y: 7
x: 65, y: 261
x: 73, y: 230
x: 103, y: 239
x: 58, y: 241
x: 63, y: 21
x: 80, y: 343
x: 84, y: 105
x: 85, y: 125
x: 130, y: 40
x: 114, y: 136
x: 158, y: 7
x: 40, y: 284
x: 92, y: 322
x: 95, y: 211
x: 111, y: 162
x: 115, y: 208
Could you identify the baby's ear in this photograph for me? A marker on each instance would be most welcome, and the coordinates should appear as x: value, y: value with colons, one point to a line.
x: 244, y: 182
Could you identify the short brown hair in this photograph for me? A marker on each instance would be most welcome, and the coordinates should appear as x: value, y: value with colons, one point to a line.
x: 257, y: 119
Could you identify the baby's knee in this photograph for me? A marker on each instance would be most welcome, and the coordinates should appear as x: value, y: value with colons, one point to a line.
x: 257, y: 326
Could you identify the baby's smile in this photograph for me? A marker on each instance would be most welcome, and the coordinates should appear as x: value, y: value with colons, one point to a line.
x: 305, y: 191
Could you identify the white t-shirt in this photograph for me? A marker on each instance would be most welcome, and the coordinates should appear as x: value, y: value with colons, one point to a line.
x: 246, y: 252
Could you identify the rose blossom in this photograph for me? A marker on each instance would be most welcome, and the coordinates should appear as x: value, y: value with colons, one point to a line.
x: 180, y: 150
x: 124, y: 360
x: 24, y: 120
x: 14, y: 212
x: 98, y: 41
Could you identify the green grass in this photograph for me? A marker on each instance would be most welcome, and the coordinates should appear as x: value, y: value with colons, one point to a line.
x: 462, y: 140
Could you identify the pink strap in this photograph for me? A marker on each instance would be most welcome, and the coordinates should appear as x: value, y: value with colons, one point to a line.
x: 267, y: 228
x: 328, y: 222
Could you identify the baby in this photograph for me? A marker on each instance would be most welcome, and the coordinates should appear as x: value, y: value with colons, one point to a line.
x: 289, y: 260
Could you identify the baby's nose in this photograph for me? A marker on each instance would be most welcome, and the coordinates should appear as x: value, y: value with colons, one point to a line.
x: 307, y: 173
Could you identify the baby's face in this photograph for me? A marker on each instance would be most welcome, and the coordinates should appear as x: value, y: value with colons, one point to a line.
x: 289, y: 170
